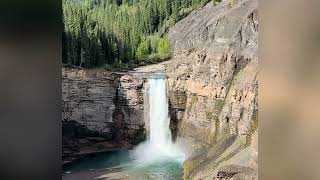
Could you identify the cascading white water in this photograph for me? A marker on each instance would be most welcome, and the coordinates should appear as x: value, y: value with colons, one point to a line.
x: 160, y: 134
x: 159, y: 146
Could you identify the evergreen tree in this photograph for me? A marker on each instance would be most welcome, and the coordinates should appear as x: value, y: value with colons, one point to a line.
x: 102, y: 32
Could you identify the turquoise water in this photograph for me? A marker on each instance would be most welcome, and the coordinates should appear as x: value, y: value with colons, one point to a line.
x: 158, y: 158
x: 158, y: 170
x: 162, y: 170
x: 99, y: 161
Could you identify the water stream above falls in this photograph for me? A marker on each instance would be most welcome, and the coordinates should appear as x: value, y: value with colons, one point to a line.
x: 157, y: 158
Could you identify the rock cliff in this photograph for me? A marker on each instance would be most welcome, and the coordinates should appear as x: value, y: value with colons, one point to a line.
x: 213, y: 89
x: 100, y: 111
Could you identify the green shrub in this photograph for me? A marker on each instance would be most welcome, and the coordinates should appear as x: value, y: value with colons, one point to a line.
x: 142, y: 50
x: 153, y: 58
x: 232, y: 3
x: 215, y: 2
x: 155, y: 39
x: 164, y: 48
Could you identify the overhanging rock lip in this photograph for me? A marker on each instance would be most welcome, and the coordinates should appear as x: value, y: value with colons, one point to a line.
x: 157, y: 75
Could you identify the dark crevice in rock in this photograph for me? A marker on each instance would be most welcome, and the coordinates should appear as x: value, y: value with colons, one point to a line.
x: 118, y: 116
x: 225, y: 175
x: 174, y: 123
x: 177, y: 106
x: 235, y: 172
x: 75, y: 130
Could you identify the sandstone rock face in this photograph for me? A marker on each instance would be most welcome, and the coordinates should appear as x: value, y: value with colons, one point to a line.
x: 100, y: 111
x: 213, y: 77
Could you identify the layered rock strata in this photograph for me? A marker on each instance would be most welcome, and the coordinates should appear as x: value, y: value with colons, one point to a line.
x: 100, y: 111
x: 213, y: 89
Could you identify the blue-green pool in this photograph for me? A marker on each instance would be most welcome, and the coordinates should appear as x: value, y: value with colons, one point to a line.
x: 121, y: 165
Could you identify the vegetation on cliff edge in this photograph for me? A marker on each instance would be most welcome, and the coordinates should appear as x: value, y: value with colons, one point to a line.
x: 120, y: 33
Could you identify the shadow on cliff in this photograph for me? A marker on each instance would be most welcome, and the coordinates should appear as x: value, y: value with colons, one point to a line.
x: 123, y: 131
x: 177, y: 107
x: 174, y: 123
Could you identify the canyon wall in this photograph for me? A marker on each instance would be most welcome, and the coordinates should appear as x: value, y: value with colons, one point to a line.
x: 100, y: 111
x: 213, y: 89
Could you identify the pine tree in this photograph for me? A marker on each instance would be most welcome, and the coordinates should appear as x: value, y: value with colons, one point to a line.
x: 99, y: 32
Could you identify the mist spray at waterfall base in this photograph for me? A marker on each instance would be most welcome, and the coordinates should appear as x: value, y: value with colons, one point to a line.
x: 159, y: 147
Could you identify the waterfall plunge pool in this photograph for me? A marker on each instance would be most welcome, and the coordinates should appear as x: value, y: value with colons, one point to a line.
x: 158, y: 158
x: 121, y: 164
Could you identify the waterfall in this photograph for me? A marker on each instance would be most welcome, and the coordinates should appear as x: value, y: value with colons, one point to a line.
x: 160, y: 134
x: 159, y: 145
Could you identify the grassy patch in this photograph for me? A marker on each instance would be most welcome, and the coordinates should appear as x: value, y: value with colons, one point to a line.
x: 219, y: 105
x: 232, y: 3
x: 253, y: 128
x: 209, y: 115
x: 194, y: 99
x: 215, y: 2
